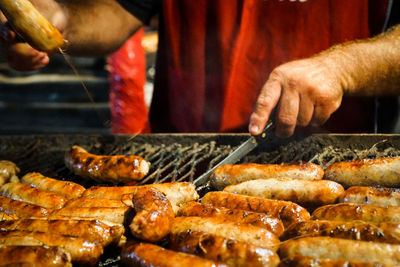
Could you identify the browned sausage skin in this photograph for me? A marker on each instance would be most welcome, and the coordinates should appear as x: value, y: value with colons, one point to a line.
x: 95, y: 203
x: 366, y: 172
x: 154, y: 215
x: 112, y: 169
x: 376, y: 196
x: 67, y: 189
x: 115, y: 215
x: 337, y: 248
x: 377, y: 232
x: 22, y: 209
x: 286, y: 211
x: 233, y: 174
x: 262, y: 220
x: 217, y: 248
x: 303, y: 261
x: 148, y: 255
x: 35, y: 255
x: 32, y: 195
x: 8, y: 172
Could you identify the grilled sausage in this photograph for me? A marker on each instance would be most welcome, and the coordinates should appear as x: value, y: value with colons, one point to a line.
x: 111, y: 169
x: 303, y: 261
x: 337, y: 248
x: 35, y: 255
x: 177, y: 193
x: 308, y: 193
x: 146, y: 255
x: 375, y: 196
x: 286, y: 211
x: 233, y: 174
x: 239, y: 232
x: 154, y: 215
x: 94, y: 231
x: 366, y: 172
x: 357, y: 212
x: 217, y: 248
x: 95, y: 203
x: 81, y: 250
x: 22, y: 209
x: 31, y: 25
x: 116, y: 215
x: 7, y: 217
x: 262, y: 220
x: 8, y: 172
x: 32, y: 195
x: 67, y: 189
x: 378, y: 232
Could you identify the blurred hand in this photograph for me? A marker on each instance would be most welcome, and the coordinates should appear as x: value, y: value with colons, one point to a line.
x: 303, y: 91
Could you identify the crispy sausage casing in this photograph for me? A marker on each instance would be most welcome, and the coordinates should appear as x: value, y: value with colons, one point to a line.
x: 33, y: 195
x: 154, y: 215
x: 22, y: 209
x: 8, y: 172
x: 81, y: 250
x: 337, y: 248
x: 31, y: 25
x: 112, y: 169
x: 308, y: 193
x: 240, y: 232
x: 366, y: 172
x: 303, y: 261
x: 116, y: 215
x: 95, y: 203
x: 36, y: 255
x: 94, y: 231
x: 378, y: 232
x: 262, y: 220
x: 376, y: 196
x: 357, y: 212
x: 286, y: 211
x: 233, y: 174
x: 148, y: 255
x: 217, y: 248
x: 67, y: 189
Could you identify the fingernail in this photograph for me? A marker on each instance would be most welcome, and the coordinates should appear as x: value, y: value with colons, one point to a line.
x: 254, y: 128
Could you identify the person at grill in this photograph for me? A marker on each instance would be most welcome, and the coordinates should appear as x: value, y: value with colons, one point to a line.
x: 214, y: 59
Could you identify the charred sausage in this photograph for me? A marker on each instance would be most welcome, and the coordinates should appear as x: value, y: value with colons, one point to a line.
x: 233, y: 174
x: 67, y: 189
x: 22, y: 209
x: 286, y: 211
x: 262, y: 220
x: 307, y: 193
x: 32, y: 195
x: 303, y: 261
x: 111, y: 169
x: 376, y: 196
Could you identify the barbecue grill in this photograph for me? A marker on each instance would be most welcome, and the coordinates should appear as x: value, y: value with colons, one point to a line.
x: 184, y: 157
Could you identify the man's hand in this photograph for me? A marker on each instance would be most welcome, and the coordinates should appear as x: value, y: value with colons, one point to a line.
x: 303, y: 91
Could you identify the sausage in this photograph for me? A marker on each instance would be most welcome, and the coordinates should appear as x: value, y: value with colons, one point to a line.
x: 366, y: 172
x: 95, y: 203
x: 82, y: 251
x: 146, y: 255
x: 154, y: 215
x: 233, y: 174
x: 177, y: 193
x: 8, y: 170
x: 357, y: 212
x: 286, y: 211
x: 337, y: 248
x: 22, y: 209
x: 217, y: 248
x: 111, y: 169
x: 239, y: 232
x: 94, y: 231
x: 307, y: 193
x: 376, y: 196
x: 7, y: 217
x: 67, y: 189
x: 378, y: 232
x: 262, y: 220
x: 303, y: 261
x: 31, y: 25
x: 32, y: 195
x: 35, y: 255
x: 116, y: 215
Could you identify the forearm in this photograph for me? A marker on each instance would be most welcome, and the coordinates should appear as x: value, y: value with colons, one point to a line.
x: 96, y: 27
x: 369, y: 67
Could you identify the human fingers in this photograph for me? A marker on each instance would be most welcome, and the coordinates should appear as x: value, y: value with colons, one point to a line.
x: 306, y: 110
x: 287, y: 113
